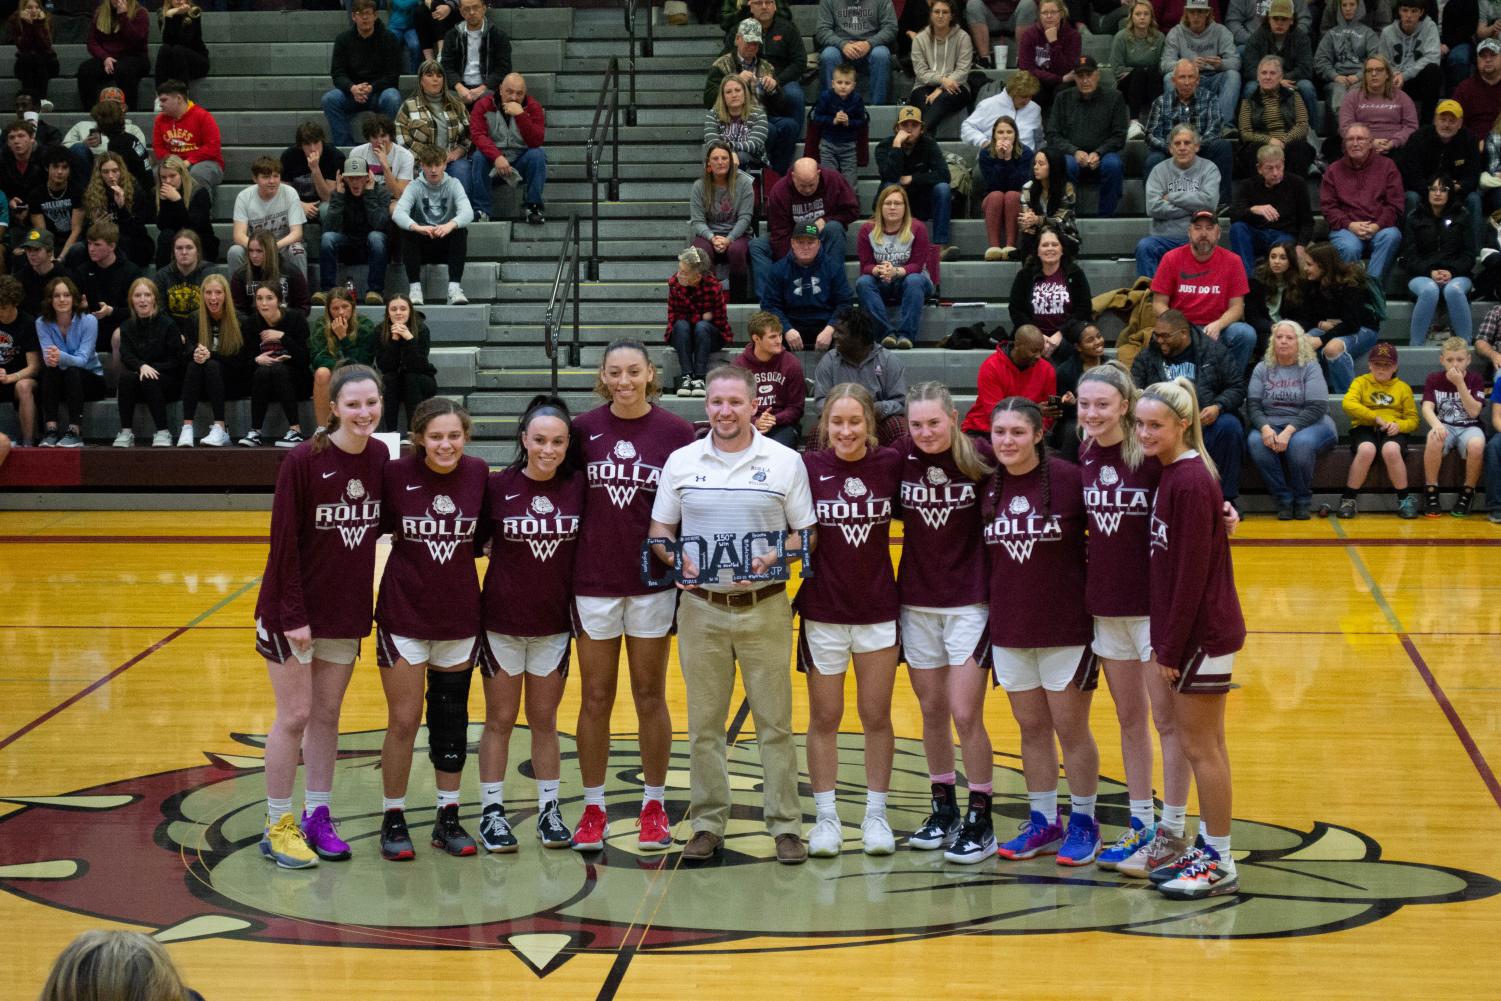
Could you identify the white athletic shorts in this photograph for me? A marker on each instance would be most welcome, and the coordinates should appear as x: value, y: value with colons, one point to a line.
x: 938, y: 637
x: 538, y: 656
x: 1021, y: 669
x: 434, y: 653
x: 1123, y: 637
x: 827, y: 647
x: 330, y: 650
x: 649, y: 616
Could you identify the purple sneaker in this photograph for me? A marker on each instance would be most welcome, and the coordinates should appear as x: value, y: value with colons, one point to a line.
x: 1036, y: 836
x: 1081, y: 841
x: 322, y: 837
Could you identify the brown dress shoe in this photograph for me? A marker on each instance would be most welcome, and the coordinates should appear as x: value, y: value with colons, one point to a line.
x: 702, y: 846
x: 791, y: 850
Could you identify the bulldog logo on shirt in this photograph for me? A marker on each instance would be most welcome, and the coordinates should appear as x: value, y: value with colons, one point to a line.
x: 1108, y: 502
x: 1019, y: 506
x: 623, y: 474
x: 438, y: 530
x: 854, y: 487
x: 1109, y: 477
x: 936, y: 497
x: 937, y: 476
x: 542, y: 505
x: 352, y: 516
x: 541, y: 528
x: 1019, y: 528
x: 443, y: 505
x: 855, y: 517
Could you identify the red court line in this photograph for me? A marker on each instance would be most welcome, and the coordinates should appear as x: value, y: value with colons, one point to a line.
x: 1477, y: 757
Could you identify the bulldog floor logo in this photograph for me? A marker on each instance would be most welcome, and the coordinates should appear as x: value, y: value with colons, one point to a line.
x: 178, y: 851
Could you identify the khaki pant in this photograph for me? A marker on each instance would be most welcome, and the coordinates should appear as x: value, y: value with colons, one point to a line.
x: 711, y: 638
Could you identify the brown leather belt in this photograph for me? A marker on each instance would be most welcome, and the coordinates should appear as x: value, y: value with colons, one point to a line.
x: 739, y: 599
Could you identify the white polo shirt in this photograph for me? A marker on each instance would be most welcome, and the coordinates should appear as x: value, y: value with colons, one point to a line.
x: 709, y: 493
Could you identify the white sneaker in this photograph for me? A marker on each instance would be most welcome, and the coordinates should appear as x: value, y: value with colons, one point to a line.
x: 414, y: 293
x: 826, y: 838
x: 162, y: 439
x: 156, y: 107
x: 217, y: 437
x: 125, y: 439
x: 456, y: 296
x: 1135, y: 131
x: 185, y: 438
x: 876, y: 834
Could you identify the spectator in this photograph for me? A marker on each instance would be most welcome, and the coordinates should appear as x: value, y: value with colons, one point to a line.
x: 1480, y: 95
x: 895, y: 256
x: 403, y: 357
x: 1288, y: 402
x: 720, y: 211
x: 182, y: 278
x: 1375, y: 16
x: 1017, y: 102
x: 1274, y: 115
x: 108, y: 131
x: 1344, y: 47
x: 913, y: 160
x: 181, y: 54
x: 56, y: 204
x: 36, y: 59
x: 698, y: 323
x: 434, y: 215
x: 262, y: 266
x: 780, y: 386
x: 1176, y: 349
x: 1049, y: 50
x: 1245, y: 17
x: 151, y: 360
x: 339, y: 337
x: 279, y: 340
x: 433, y: 116
x: 1275, y: 288
x: 758, y: 76
x: 1047, y: 201
x: 986, y: 17
x: 21, y: 359
x: 1088, y: 126
x: 1050, y: 292
x: 1377, y: 104
x: 1136, y: 58
x: 509, y: 127
x: 1411, y: 45
x: 104, y: 280
x: 841, y: 114
x: 391, y: 167
x: 113, y: 197
x: 809, y: 195
x: 859, y: 32
x: 1186, y: 104
x: 1444, y: 147
x: 1382, y: 414
x: 1277, y: 36
x: 1212, y: 50
x: 1178, y: 189
x: 1493, y: 460
x: 272, y: 206
x: 1457, y: 23
x: 365, y: 67
x: 1452, y: 400
x: 403, y: 24
x: 737, y: 122
x: 182, y: 205
x: 1268, y: 209
x: 310, y: 165
x: 1014, y: 369
x: 20, y: 168
x: 806, y: 289
x: 29, y: 109
x: 476, y: 54
x: 1088, y: 353
x: 1334, y: 309
x: 1362, y: 201
x: 1004, y: 167
x: 187, y: 130
x: 781, y: 45
x: 355, y: 231
x: 434, y: 18
x: 117, y: 51
x: 1438, y: 254
x: 856, y: 357
x: 40, y: 268
x: 115, y: 964
x: 1207, y: 284
x: 219, y: 362
x: 71, y: 372
x: 942, y: 57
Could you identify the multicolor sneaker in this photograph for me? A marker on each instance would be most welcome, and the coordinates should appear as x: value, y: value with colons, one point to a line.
x: 551, y: 830
x: 323, y: 837
x: 495, y: 830
x: 656, y: 829
x: 1081, y: 841
x: 1407, y: 507
x: 395, y: 839
x: 943, y: 825
x: 593, y: 828
x: 1137, y: 835
x: 449, y: 834
x: 976, y: 841
x: 1431, y: 506
x: 1462, y: 503
x: 1163, y: 848
x: 1036, y: 836
x: 1170, y: 870
x: 1208, y: 876
x: 284, y: 844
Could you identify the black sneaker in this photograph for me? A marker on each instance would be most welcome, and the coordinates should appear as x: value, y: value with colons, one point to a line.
x: 1431, y: 507
x: 976, y: 841
x: 291, y: 439
x: 943, y: 825
x: 685, y: 386
x: 1346, y: 507
x: 1173, y: 869
x: 1462, y: 503
x: 449, y: 835
x: 495, y: 831
x: 534, y: 216
x: 395, y: 840
x: 252, y: 439
x: 551, y: 830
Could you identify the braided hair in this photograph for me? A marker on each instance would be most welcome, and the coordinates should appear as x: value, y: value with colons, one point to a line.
x: 1033, y: 414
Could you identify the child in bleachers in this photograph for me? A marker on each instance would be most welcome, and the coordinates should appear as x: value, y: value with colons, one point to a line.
x: 1382, y: 412
x: 840, y: 112
x: 1452, y: 400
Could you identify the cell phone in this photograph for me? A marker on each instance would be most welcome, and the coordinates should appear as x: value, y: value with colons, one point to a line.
x: 1055, y: 401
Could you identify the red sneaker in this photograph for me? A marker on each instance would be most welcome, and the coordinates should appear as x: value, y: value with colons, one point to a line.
x: 656, y: 833
x: 593, y: 826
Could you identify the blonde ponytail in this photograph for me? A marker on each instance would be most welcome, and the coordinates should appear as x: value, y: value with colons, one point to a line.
x: 1182, y: 399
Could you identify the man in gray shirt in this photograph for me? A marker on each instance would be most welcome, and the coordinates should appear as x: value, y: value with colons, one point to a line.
x: 858, y: 32
x: 1176, y: 189
x: 858, y: 358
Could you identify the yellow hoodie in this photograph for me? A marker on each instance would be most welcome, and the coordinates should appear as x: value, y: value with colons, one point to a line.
x: 1367, y: 401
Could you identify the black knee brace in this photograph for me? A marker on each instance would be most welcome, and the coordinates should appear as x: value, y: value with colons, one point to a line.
x: 448, y: 718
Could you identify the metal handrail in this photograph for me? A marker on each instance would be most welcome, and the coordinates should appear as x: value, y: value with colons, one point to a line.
x: 647, y: 43
x: 568, y: 271
x: 605, y: 121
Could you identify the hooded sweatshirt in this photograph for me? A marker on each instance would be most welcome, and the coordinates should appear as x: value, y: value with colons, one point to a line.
x: 1410, y: 54
x: 780, y: 385
x: 194, y: 136
x: 1174, y: 195
x: 999, y: 378
x: 1214, y: 40
x: 786, y: 206
x: 806, y: 297
x: 1243, y: 17
x: 841, y: 21
x: 424, y: 204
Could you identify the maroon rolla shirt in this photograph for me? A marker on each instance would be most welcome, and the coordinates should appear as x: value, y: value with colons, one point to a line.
x: 534, y: 528
x: 430, y: 587
x: 622, y: 462
x: 853, y: 502
x: 325, y: 519
x: 1118, y: 500
x: 943, y: 562
x: 1037, y: 561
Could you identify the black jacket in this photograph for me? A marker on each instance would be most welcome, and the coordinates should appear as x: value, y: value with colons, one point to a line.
x: 1218, y: 380
x: 196, y: 214
x: 1290, y: 199
x: 396, y: 357
x: 1019, y: 303
x: 1425, y: 154
x: 1435, y: 242
x: 376, y: 60
x: 924, y: 161
x: 494, y: 55
x: 782, y: 45
x: 1345, y: 303
x: 155, y: 341
x: 376, y: 202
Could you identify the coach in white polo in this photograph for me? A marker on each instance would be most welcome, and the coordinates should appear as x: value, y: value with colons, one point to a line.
x: 736, y: 480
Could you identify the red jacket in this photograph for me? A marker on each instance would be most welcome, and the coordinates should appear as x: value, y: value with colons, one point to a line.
x: 685, y: 303
x: 531, y: 123
x: 1355, y: 194
x: 194, y: 136
x: 999, y: 378
x: 128, y: 39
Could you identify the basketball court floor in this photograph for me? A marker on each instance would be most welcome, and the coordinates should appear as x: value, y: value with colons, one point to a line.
x: 1362, y: 734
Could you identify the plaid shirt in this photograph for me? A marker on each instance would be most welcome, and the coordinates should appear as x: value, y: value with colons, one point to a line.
x: 1202, y: 112
x: 1490, y: 327
x: 708, y: 296
x: 415, y: 125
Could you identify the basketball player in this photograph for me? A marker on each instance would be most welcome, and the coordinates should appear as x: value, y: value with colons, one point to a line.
x: 534, y: 510
x: 314, y: 608
x: 622, y: 446
x: 427, y: 617
x: 848, y: 611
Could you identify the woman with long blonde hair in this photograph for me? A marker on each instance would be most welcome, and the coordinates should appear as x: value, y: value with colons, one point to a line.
x: 117, y: 51
x: 181, y: 204
x: 736, y: 120
x: 1288, y: 401
x: 219, y: 362
x: 36, y: 59
x: 896, y: 257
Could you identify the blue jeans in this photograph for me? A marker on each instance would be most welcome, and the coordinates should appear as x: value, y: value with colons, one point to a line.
x: 1216, y: 151
x: 781, y: 142
x: 1250, y: 242
x: 877, y: 63
x: 832, y: 239
x: 1289, y: 475
x: 413, y: 46
x: 1475, y: 210
x: 334, y: 248
x: 910, y: 292
x: 1240, y: 340
x: 339, y: 108
x: 1342, y: 369
x: 1383, y: 248
x: 532, y: 166
x: 1224, y: 440
x: 1458, y: 65
x: 1455, y: 293
x: 938, y: 222
x: 1225, y: 84
x: 1305, y: 91
x: 694, y: 346
x: 473, y: 172
x: 1149, y: 251
x: 1112, y: 176
x: 793, y: 101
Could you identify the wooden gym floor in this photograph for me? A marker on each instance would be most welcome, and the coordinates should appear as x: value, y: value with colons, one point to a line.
x: 1367, y: 812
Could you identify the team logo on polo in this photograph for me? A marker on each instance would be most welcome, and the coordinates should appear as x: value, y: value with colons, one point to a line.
x: 853, y: 516
x: 1108, y: 502
x: 622, y: 474
x: 439, y: 530
x: 936, y: 496
x: 352, y: 516
x: 176, y: 852
x: 1019, y: 528
x: 541, y: 528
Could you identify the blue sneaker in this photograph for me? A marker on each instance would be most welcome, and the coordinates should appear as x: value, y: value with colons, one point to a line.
x: 1081, y: 842
x: 1137, y: 836
x: 1035, y: 837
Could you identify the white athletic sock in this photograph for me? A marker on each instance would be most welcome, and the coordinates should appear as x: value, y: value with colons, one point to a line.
x: 875, y: 803
x: 1141, y: 809
x: 823, y: 805
x: 275, y: 808
x: 447, y: 798
x: 594, y: 796
x: 312, y: 800
x: 1082, y: 805
x: 492, y: 794
x: 654, y: 794
x: 547, y: 792
x: 1221, y: 848
x: 1174, y: 818
x: 387, y: 805
x: 1045, y: 803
